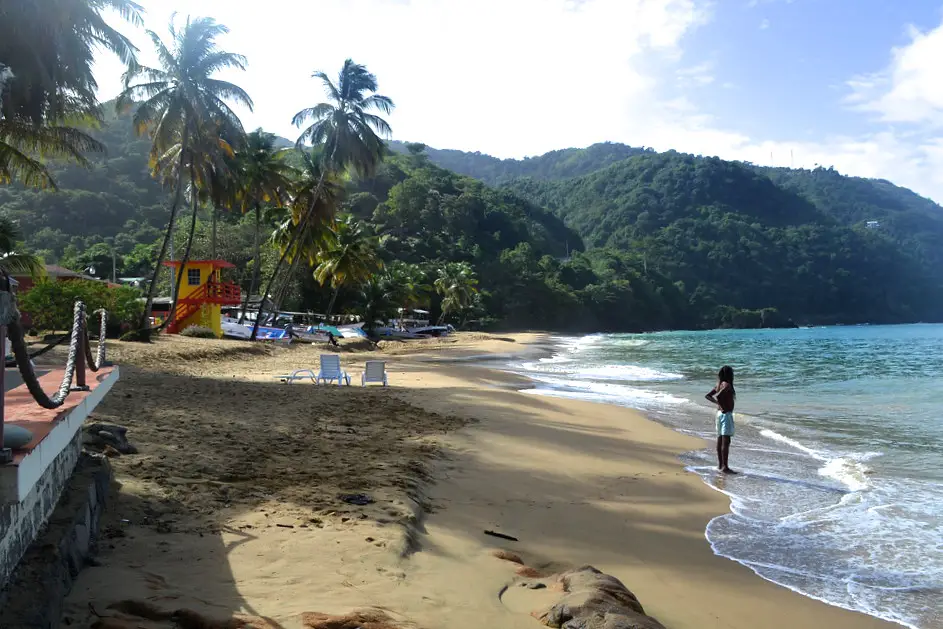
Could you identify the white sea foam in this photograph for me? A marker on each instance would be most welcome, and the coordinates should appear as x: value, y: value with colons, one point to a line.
x: 775, y: 436
x: 622, y: 395
x: 569, y: 365
x: 846, y: 470
x: 633, y: 373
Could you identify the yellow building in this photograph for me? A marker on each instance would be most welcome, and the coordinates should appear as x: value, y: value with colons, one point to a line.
x: 202, y: 295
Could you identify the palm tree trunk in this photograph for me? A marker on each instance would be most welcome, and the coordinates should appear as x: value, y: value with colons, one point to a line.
x: 256, y: 262
x: 286, y: 285
x: 186, y: 253
x: 330, y: 305
x: 302, y: 225
x: 213, y: 236
x: 149, y: 304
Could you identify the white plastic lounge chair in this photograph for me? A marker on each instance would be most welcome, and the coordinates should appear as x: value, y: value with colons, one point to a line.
x: 374, y: 371
x: 299, y: 374
x: 331, y: 370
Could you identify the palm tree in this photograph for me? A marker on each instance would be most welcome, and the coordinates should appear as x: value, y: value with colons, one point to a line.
x: 380, y: 296
x: 410, y: 283
x: 22, y: 145
x: 457, y: 285
x: 177, y: 100
x: 351, y: 258
x: 41, y: 97
x: 346, y: 132
x: 208, y: 163
x: 264, y: 177
x: 11, y: 262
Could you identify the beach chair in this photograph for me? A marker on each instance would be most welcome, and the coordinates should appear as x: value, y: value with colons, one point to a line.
x: 299, y: 374
x: 331, y: 370
x: 374, y: 371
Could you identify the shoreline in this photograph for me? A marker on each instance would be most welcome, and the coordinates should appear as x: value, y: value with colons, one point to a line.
x: 549, y: 349
x: 252, y: 524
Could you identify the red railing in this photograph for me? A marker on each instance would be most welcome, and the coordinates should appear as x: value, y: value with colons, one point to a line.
x: 223, y: 293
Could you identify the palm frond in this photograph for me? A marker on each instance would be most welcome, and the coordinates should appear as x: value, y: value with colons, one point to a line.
x: 376, y: 101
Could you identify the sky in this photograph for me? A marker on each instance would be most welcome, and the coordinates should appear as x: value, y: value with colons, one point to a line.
x: 851, y: 84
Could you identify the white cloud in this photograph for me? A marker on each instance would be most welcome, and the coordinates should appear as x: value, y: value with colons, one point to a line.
x: 509, y: 78
x: 764, y: 25
x: 699, y: 75
x: 909, y: 90
x: 525, y: 77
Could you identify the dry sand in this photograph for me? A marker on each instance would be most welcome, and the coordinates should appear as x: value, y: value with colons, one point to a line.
x: 233, y: 506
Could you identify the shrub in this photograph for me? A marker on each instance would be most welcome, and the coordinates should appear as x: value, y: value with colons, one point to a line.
x: 198, y: 332
x: 50, y: 304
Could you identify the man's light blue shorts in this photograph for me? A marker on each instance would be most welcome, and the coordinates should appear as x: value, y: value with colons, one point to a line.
x: 725, y: 426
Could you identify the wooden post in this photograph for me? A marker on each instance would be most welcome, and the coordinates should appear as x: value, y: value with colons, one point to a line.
x: 6, y: 455
x: 80, y: 359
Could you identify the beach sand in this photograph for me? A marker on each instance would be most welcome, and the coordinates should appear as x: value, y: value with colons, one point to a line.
x: 233, y: 505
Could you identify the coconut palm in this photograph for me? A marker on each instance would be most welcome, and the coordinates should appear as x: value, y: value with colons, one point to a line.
x: 22, y: 145
x: 41, y: 97
x: 11, y: 262
x: 456, y: 283
x: 410, y: 283
x: 49, y: 48
x: 181, y: 97
x: 350, y: 259
x: 380, y: 297
x: 346, y: 133
x: 208, y: 162
x: 264, y: 177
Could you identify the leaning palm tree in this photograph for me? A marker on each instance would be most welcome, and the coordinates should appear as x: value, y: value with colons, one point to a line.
x: 457, y: 285
x: 208, y: 161
x: 42, y: 99
x: 264, y: 178
x: 318, y: 234
x: 351, y: 259
x: 346, y: 133
x: 178, y: 99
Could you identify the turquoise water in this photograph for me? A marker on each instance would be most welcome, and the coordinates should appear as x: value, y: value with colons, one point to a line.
x: 839, y: 444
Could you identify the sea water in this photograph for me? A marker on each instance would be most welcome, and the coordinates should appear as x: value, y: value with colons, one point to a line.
x: 839, y: 443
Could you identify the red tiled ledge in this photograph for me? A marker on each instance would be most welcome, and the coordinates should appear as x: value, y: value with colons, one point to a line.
x: 53, y: 430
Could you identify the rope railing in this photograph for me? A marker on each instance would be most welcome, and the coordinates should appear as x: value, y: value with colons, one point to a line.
x: 96, y: 362
x: 21, y: 355
x: 79, y: 355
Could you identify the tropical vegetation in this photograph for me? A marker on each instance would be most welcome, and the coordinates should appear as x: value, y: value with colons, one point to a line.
x: 343, y: 219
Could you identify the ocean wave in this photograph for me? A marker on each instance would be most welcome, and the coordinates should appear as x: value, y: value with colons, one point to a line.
x: 849, y: 472
x: 775, y: 436
x: 622, y: 395
x: 627, y: 372
x: 564, y: 364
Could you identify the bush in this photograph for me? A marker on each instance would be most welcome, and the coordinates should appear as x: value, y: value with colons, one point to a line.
x: 50, y: 304
x: 198, y: 332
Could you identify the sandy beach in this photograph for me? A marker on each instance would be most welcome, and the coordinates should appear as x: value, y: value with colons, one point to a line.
x: 254, y: 503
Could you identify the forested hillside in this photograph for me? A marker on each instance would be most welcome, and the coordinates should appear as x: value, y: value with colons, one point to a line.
x: 426, y: 215
x: 744, y: 236
x: 553, y: 165
x: 638, y: 241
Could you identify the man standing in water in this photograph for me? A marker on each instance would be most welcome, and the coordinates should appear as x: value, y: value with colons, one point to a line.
x: 724, y: 396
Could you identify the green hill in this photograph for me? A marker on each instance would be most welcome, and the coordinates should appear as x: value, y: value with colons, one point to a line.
x: 604, y: 238
x: 553, y: 165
